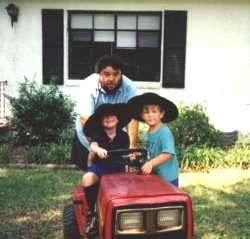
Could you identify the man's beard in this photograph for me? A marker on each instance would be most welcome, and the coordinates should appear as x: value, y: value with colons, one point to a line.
x: 111, y: 91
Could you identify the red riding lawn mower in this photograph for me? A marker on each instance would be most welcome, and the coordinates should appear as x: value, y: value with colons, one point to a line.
x: 131, y: 206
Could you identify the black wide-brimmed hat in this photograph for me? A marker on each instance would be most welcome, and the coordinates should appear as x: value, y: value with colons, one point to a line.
x: 94, y: 122
x: 136, y: 104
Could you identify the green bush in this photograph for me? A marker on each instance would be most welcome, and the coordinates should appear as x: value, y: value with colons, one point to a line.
x: 40, y: 114
x: 5, y: 155
x: 5, y: 138
x: 244, y: 138
x: 238, y: 156
x: 204, y: 157
x: 193, y: 127
x: 66, y: 136
x: 52, y: 153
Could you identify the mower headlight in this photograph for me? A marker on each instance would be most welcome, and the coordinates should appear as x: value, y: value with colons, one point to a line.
x: 149, y: 220
x: 130, y: 220
x: 169, y: 218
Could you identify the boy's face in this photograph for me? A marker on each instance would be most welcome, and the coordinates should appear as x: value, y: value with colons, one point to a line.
x: 110, y: 78
x: 152, y: 114
x: 110, y: 121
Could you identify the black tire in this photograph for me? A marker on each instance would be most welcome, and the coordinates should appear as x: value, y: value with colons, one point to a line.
x: 70, y: 228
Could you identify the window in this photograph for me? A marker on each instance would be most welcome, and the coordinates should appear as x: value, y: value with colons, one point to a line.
x: 136, y: 37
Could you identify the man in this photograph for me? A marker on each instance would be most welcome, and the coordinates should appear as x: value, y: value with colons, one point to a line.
x: 108, y: 85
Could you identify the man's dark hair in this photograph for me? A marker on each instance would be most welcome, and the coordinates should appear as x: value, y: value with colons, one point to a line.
x: 113, y: 61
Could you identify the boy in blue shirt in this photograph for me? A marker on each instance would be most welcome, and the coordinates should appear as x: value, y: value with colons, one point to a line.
x: 155, y: 111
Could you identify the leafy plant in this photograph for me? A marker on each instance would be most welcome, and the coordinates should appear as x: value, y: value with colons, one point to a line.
x: 52, y: 153
x: 5, y: 138
x: 40, y: 114
x: 204, y: 157
x: 5, y: 155
x: 66, y: 135
x: 193, y: 127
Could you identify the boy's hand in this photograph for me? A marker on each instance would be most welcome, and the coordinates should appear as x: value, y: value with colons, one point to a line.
x: 147, y: 168
x: 102, y: 153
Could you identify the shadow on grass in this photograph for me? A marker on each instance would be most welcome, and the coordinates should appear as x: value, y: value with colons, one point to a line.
x: 33, y: 224
x: 221, y: 213
x: 31, y: 202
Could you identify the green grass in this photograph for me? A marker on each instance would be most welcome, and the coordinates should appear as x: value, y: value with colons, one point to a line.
x: 31, y: 202
x: 221, y: 203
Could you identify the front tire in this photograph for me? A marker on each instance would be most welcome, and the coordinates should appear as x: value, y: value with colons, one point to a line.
x: 70, y: 228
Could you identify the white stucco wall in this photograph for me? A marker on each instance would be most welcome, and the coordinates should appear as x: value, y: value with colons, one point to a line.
x: 217, y: 56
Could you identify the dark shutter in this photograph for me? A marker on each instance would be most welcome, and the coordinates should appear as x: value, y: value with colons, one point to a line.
x: 52, y: 30
x: 175, y: 49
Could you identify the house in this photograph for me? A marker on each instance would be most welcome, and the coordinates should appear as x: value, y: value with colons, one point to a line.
x: 192, y: 51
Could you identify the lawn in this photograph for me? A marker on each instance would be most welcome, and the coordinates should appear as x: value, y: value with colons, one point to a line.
x: 31, y: 202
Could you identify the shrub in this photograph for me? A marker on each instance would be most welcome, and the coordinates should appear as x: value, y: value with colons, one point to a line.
x: 201, y: 157
x: 193, y: 127
x: 6, y: 138
x: 66, y: 136
x: 53, y: 153
x: 40, y: 113
x: 244, y: 138
x: 5, y: 155
x: 204, y: 157
x: 238, y: 156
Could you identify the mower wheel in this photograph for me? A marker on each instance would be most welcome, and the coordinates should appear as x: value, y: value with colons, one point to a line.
x: 70, y: 227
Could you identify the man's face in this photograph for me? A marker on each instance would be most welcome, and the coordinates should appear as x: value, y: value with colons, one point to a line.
x: 110, y: 78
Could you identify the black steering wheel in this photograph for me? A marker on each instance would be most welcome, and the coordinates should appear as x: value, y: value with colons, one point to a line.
x: 123, y: 156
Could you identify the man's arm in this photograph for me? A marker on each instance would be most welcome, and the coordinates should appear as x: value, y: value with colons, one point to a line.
x: 83, y: 119
x: 84, y: 101
x: 133, y: 133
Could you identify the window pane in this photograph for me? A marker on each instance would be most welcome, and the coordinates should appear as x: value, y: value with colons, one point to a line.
x: 126, y: 21
x: 104, y: 36
x: 81, y: 21
x: 129, y: 58
x: 81, y: 36
x: 80, y: 54
x: 148, y: 39
x: 126, y: 39
x: 148, y: 62
x: 147, y: 22
x: 80, y: 64
x: 80, y: 71
x: 104, y: 21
